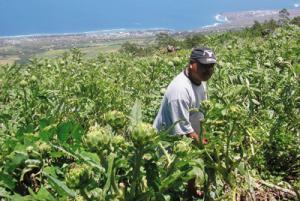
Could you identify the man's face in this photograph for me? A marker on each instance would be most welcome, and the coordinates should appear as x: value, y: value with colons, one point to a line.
x: 201, y: 72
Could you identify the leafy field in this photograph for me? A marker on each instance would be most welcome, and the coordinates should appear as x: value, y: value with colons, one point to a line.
x: 72, y: 129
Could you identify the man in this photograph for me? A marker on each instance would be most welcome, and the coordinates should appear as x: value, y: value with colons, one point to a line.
x: 185, y: 93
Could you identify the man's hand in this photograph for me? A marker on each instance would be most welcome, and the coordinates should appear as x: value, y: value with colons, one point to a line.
x: 205, y: 141
x: 195, y: 136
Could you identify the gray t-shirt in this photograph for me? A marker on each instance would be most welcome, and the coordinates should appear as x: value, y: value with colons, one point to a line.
x: 180, y: 98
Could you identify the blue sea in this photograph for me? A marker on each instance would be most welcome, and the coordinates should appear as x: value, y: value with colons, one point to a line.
x: 27, y: 17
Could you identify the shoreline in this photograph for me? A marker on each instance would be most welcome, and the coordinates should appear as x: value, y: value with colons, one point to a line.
x: 221, y: 20
x: 98, y: 32
x: 21, y: 48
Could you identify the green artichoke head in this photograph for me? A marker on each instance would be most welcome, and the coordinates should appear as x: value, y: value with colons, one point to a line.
x: 79, y: 176
x: 116, y: 119
x: 143, y: 133
x: 182, y: 147
x: 97, y: 138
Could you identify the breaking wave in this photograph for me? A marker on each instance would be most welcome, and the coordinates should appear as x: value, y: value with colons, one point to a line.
x: 211, y: 25
x: 221, y: 18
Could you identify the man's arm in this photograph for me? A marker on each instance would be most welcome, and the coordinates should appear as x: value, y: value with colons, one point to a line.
x: 179, y: 113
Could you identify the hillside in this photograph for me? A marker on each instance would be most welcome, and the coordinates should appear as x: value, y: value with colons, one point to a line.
x: 80, y: 129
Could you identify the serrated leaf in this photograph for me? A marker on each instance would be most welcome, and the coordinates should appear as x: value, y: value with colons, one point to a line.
x: 17, y: 197
x: 56, y: 154
x: 110, y: 172
x: 41, y: 195
x: 152, y: 175
x: 170, y: 180
x: 50, y: 170
x: 4, y: 193
x: 136, y: 114
x: 90, y: 158
x: 198, y: 173
x: 63, y: 131
x: 77, y: 132
x: 26, y: 129
x: 7, y: 181
x: 16, y: 159
x: 60, y: 186
x: 48, y: 132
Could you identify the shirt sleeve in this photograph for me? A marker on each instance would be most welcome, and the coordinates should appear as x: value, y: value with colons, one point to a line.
x: 179, y: 114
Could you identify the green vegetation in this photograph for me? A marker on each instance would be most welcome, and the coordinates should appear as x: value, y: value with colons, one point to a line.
x: 76, y: 129
x: 25, y: 49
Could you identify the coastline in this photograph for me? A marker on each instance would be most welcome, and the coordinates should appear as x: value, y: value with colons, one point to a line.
x: 98, y: 32
x: 239, y: 20
x: 20, y: 48
x: 221, y: 21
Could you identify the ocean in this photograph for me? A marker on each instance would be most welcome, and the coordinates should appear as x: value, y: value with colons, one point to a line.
x: 28, y: 17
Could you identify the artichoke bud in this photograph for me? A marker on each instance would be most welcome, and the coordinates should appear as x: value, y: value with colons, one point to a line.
x: 170, y: 63
x: 33, y: 78
x: 206, y: 105
x: 118, y: 140
x: 182, y: 147
x: 79, y: 176
x: 97, y: 138
x: 143, y: 133
x: 43, y: 147
x: 116, y: 119
x: 23, y: 83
